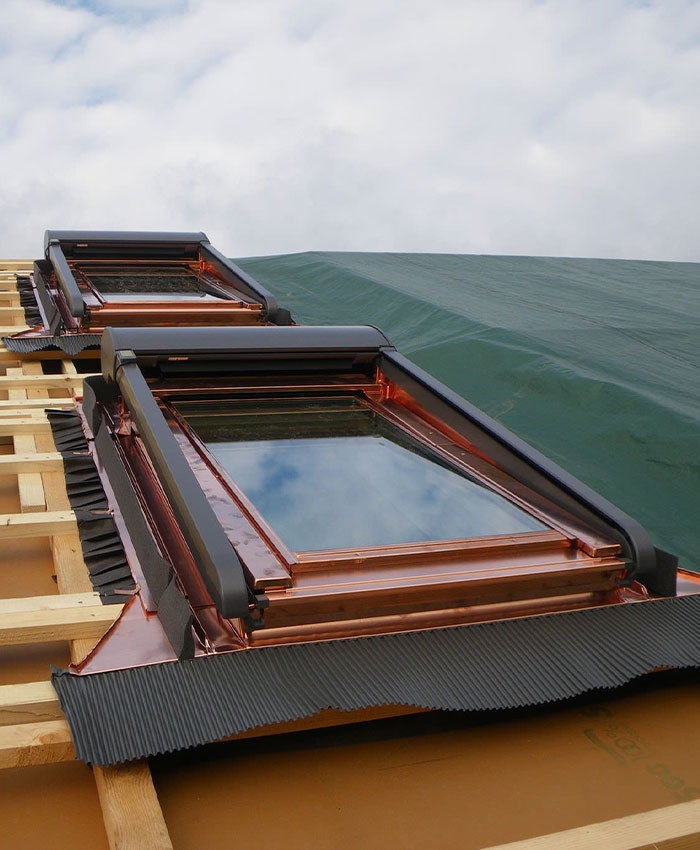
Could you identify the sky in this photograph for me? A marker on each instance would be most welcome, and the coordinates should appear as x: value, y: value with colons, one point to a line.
x: 276, y: 126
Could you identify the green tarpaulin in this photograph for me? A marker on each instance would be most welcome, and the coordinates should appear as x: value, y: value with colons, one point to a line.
x: 594, y: 362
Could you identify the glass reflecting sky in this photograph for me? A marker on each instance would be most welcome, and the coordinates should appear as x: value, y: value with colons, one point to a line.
x: 146, y: 283
x: 328, y: 475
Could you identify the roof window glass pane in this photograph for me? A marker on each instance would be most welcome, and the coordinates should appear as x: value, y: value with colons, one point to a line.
x: 334, y: 474
x: 146, y: 283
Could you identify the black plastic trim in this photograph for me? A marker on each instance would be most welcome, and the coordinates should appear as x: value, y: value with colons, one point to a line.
x: 215, y: 556
x: 66, y: 281
x: 109, y: 237
x: 243, y: 281
x: 48, y: 304
x: 156, y: 345
x: 174, y: 611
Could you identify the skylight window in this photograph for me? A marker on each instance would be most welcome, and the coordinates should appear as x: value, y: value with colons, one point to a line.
x: 333, y: 473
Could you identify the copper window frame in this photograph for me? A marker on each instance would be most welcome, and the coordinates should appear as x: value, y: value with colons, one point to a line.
x: 374, y: 395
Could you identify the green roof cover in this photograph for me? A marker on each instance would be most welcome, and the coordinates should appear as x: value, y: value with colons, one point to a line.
x: 594, y: 362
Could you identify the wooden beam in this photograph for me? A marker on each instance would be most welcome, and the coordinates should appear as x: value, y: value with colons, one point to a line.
x: 13, y: 526
x: 45, y: 622
x: 8, y: 330
x: 11, y: 427
x: 33, y: 381
x: 54, y: 602
x: 670, y: 828
x: 30, y: 486
x: 14, y: 265
x: 26, y: 744
x: 35, y: 414
x: 11, y: 313
x: 32, y: 404
x: 29, y: 702
x: 33, y: 462
x: 132, y: 815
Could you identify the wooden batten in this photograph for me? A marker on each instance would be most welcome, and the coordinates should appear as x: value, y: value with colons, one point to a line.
x: 31, y: 382
x: 43, y: 619
x: 31, y: 406
x: 11, y: 426
x: 16, y: 266
x: 46, y: 742
x: 13, y: 526
x: 671, y: 828
x: 10, y: 314
x: 31, y: 489
x: 28, y: 702
x: 30, y: 462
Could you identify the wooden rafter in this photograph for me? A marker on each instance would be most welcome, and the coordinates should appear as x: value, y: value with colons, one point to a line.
x: 671, y: 828
x: 46, y: 618
x: 28, y: 702
x: 13, y: 526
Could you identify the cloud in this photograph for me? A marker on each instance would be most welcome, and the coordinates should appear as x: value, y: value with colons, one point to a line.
x: 553, y: 128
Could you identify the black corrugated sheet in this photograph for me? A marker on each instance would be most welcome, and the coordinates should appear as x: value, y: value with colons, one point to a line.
x: 102, y: 548
x: 72, y: 344
x: 128, y: 714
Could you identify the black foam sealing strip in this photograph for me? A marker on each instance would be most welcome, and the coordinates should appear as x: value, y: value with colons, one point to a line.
x: 27, y: 300
x: 99, y: 539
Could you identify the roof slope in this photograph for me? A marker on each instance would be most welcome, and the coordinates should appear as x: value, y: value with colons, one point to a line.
x: 594, y: 362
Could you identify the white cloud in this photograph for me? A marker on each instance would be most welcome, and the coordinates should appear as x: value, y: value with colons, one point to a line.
x: 501, y: 127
